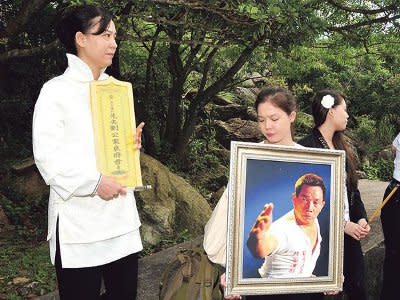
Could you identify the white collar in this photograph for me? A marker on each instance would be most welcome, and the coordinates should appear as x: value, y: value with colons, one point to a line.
x: 79, y: 70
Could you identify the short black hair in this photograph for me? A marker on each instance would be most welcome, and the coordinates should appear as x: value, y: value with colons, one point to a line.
x: 80, y: 19
x: 310, y: 179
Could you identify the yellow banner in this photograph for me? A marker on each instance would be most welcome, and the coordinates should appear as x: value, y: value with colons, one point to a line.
x: 114, y: 129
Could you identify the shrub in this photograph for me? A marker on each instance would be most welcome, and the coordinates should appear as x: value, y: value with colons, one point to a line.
x: 380, y: 169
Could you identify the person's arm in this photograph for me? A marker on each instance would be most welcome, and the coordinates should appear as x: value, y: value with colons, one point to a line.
x: 60, y: 168
x: 358, y: 227
x: 261, y: 242
x: 215, y: 232
x: 396, y: 144
x: 393, y: 149
x: 357, y: 209
x: 214, y: 242
x: 222, y: 282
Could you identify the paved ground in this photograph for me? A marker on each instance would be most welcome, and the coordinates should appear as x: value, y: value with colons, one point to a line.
x: 372, y: 194
x: 151, y: 267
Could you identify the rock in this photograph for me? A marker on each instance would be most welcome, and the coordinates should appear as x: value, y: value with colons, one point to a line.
x: 216, y: 196
x: 20, y: 280
x: 4, y: 222
x: 386, y: 154
x: 231, y: 111
x: 258, y: 79
x: 23, y: 165
x: 221, y: 100
x: 251, y: 114
x: 237, y: 130
x: 168, y: 208
x: 248, y: 95
x: 227, y: 112
x: 26, y: 182
x: 151, y: 269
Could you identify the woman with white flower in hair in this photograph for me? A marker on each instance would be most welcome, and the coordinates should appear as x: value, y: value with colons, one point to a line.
x: 330, y: 115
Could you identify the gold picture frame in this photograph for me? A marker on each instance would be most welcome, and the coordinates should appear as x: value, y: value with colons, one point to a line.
x: 114, y: 128
x: 262, y: 173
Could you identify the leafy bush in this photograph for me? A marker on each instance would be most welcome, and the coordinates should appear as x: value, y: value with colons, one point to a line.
x: 372, y: 136
x: 21, y: 260
x: 380, y: 169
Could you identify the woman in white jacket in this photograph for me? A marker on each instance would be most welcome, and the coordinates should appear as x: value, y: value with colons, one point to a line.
x: 93, y: 223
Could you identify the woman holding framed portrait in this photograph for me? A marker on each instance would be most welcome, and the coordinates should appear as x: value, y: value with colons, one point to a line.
x: 330, y: 115
x: 276, y: 112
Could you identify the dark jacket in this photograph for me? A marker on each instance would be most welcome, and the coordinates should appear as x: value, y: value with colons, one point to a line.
x: 356, y: 206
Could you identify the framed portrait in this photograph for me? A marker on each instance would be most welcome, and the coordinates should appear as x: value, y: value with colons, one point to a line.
x: 285, y: 220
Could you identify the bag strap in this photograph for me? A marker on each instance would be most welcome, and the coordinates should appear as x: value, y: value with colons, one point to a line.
x: 205, y: 277
x: 176, y: 280
x: 186, y: 263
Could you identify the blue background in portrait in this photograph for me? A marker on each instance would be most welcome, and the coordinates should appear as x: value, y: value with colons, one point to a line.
x: 273, y: 181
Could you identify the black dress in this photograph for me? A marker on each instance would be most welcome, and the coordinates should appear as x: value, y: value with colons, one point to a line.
x: 390, y: 218
x: 353, y: 261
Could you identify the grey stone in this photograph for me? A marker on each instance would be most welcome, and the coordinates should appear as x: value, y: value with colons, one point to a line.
x: 237, y: 130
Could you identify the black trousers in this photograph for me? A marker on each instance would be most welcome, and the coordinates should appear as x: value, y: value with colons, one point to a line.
x: 353, y: 269
x: 120, y: 279
x: 390, y: 218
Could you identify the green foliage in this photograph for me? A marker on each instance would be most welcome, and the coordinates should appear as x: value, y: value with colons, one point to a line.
x: 25, y: 213
x: 303, y: 124
x: 31, y: 261
x: 373, y: 136
x: 380, y: 169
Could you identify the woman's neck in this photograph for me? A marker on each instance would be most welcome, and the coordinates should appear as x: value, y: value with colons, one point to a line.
x: 287, y: 142
x: 327, y: 132
x: 95, y: 70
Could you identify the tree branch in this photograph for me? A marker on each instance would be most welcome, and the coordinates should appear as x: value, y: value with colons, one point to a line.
x: 392, y: 7
x: 18, y: 53
x: 206, y: 69
x: 16, y: 24
x: 230, y: 16
x: 380, y: 20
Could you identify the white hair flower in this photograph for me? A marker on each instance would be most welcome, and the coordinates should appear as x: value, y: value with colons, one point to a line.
x: 327, y: 101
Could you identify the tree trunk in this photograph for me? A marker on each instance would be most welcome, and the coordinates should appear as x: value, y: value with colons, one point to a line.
x: 173, y: 122
x: 202, y: 98
x: 17, y: 23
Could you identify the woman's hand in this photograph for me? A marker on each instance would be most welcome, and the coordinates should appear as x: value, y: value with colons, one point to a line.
x: 363, y: 223
x: 138, y: 136
x: 333, y: 293
x: 109, y: 188
x: 357, y: 231
x: 222, y: 282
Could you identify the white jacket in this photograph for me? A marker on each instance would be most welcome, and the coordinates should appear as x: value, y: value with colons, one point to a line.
x: 64, y: 152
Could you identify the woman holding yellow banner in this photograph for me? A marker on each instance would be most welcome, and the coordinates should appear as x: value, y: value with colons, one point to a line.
x: 93, y: 223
